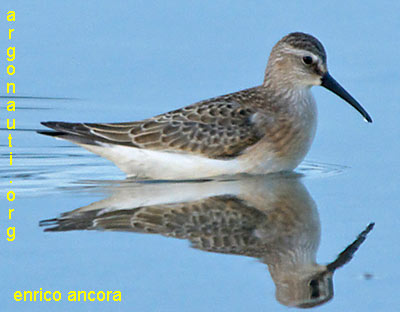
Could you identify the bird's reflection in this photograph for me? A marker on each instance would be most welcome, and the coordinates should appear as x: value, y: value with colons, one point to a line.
x: 273, y: 219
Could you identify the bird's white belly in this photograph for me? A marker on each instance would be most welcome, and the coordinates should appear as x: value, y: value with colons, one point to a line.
x: 142, y: 163
x: 137, y: 162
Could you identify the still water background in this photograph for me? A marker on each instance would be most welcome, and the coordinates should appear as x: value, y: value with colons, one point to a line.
x: 114, y: 61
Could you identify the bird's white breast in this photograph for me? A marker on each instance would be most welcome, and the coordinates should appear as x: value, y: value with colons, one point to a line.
x: 263, y: 157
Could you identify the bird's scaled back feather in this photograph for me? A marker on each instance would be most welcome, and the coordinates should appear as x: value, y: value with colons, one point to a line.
x: 223, y: 224
x: 221, y: 127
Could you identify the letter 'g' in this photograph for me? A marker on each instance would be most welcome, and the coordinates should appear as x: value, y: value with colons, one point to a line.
x: 11, y: 233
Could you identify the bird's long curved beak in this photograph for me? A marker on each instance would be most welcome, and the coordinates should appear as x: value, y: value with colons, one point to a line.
x: 346, y: 255
x: 327, y: 81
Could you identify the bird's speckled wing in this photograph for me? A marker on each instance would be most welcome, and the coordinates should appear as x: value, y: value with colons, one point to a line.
x: 221, y: 127
x: 223, y: 224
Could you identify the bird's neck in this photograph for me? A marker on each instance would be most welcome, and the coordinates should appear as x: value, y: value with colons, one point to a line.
x: 284, y: 93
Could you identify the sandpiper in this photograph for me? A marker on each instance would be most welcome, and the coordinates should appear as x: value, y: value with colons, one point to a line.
x: 260, y: 130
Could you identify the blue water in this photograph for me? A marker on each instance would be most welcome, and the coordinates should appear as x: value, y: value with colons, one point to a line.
x: 117, y: 61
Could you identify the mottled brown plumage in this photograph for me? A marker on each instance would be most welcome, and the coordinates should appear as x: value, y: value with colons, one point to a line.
x: 220, y: 127
x: 220, y: 224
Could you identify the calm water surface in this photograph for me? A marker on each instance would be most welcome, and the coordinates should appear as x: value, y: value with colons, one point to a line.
x: 244, y: 244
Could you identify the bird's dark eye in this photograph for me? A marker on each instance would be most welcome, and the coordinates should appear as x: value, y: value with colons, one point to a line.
x: 314, y: 286
x: 307, y: 60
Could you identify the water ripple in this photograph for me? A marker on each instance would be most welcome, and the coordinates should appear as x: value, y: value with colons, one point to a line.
x: 71, y: 168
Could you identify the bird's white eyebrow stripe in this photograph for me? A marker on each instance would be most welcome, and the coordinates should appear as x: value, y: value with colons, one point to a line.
x: 299, y: 52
